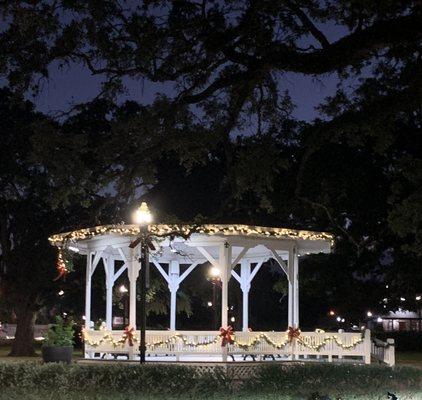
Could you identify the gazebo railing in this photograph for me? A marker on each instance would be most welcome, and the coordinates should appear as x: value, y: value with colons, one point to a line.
x: 317, y: 345
x: 383, y: 352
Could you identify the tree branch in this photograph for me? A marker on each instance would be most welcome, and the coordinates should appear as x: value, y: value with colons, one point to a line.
x: 348, y: 50
x: 308, y: 24
x: 219, y: 83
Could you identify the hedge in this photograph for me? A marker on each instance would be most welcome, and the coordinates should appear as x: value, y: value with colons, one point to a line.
x: 151, y: 378
x: 177, y: 381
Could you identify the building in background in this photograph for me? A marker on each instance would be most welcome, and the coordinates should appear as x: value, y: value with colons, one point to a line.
x: 402, y: 320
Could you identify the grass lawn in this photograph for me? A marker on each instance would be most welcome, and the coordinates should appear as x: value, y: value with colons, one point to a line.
x: 410, y: 358
x: 5, y: 350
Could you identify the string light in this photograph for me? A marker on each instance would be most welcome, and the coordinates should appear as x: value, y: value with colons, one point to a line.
x: 304, y: 340
x: 186, y: 230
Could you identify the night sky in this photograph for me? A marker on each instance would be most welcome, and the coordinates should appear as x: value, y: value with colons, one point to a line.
x: 75, y: 84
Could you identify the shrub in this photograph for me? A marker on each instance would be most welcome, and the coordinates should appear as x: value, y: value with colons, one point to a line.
x: 60, y: 333
x: 336, y: 377
x: 149, y: 378
x: 159, y: 380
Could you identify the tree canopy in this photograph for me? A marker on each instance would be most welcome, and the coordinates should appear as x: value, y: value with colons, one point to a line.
x: 219, y: 142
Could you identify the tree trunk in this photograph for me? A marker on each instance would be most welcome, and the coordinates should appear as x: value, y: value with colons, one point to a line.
x: 23, y: 345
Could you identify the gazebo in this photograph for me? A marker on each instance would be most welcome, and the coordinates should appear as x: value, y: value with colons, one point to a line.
x: 179, y: 249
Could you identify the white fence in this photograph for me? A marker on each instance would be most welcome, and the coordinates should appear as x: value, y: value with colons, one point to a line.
x: 383, y: 351
x: 318, y: 345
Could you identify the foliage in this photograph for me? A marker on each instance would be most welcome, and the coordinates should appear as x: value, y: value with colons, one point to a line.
x: 297, y: 381
x: 219, y: 140
x: 221, y: 66
x: 164, y: 379
x: 41, y: 162
x: 60, y: 334
x: 158, y: 301
x: 24, y: 190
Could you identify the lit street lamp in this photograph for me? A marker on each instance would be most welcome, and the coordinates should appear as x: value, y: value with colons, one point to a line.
x: 143, y: 217
x: 214, y: 278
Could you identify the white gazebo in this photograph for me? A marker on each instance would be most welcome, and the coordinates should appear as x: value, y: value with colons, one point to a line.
x: 179, y: 250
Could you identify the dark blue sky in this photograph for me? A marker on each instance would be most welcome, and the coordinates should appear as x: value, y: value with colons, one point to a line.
x: 75, y: 84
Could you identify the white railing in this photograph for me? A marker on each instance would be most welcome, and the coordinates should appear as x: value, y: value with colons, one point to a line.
x: 383, y: 351
x: 317, y: 345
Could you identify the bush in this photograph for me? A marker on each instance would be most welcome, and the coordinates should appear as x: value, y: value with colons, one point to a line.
x: 59, y: 334
x: 336, y: 379
x: 160, y: 380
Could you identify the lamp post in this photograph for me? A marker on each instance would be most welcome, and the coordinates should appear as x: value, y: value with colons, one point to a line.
x: 214, y: 278
x: 143, y: 217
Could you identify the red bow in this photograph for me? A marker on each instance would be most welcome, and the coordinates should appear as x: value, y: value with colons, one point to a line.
x: 61, y: 266
x: 128, y: 335
x: 226, y: 335
x: 293, y: 333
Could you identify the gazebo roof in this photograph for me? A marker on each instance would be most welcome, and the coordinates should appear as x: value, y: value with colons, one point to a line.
x: 316, y: 241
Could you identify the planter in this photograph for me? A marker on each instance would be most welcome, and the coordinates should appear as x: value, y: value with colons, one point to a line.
x: 57, y: 354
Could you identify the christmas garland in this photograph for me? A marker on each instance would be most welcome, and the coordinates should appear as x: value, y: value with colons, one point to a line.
x: 131, y: 337
x: 187, y: 230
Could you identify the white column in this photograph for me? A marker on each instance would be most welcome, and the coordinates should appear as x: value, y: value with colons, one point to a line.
x: 133, y: 273
x: 367, y: 344
x: 174, y: 273
x: 295, y: 288
x: 173, y: 294
x: 88, y: 290
x: 109, y: 267
x: 290, y: 277
x: 225, y: 264
x: 245, y: 272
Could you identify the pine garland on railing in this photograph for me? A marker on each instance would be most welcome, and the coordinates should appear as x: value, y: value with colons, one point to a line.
x: 256, y: 340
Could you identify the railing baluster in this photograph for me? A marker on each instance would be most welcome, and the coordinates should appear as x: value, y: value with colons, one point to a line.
x: 339, y: 344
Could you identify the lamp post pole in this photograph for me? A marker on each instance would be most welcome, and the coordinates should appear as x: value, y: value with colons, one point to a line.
x: 143, y: 217
x: 214, y: 305
x: 144, y: 266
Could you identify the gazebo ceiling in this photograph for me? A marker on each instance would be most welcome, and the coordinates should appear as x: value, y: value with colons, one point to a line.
x: 307, y: 241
